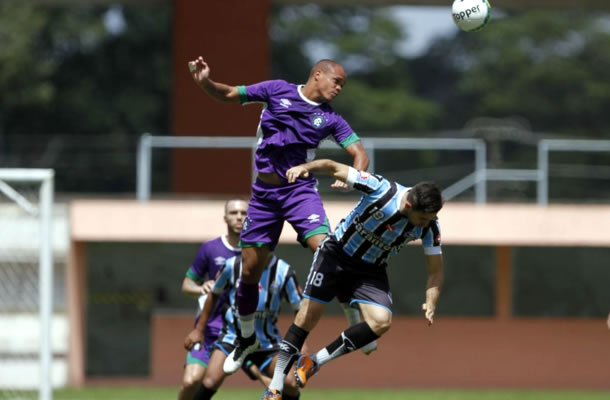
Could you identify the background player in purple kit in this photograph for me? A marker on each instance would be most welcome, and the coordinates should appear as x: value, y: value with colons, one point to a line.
x: 198, y: 282
x: 295, y: 119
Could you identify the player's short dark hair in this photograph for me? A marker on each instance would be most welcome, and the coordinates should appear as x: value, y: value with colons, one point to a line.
x: 426, y: 197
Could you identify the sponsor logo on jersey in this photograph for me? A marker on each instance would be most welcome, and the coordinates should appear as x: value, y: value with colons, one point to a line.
x: 219, y: 260
x: 318, y: 121
x: 285, y: 103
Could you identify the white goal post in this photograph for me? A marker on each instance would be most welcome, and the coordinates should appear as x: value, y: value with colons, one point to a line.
x: 26, y: 261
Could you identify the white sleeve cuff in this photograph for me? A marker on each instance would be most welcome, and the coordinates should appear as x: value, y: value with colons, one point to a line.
x: 433, y: 251
x: 352, y: 176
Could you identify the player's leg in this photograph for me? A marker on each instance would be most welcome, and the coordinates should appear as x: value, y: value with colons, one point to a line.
x: 197, y: 360
x: 191, y: 380
x: 213, y: 378
x: 374, y: 298
x: 291, y: 389
x: 258, y: 238
x: 352, y: 313
x: 320, y: 288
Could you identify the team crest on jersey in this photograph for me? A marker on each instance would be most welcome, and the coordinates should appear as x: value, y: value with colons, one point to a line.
x: 219, y: 260
x: 318, y: 121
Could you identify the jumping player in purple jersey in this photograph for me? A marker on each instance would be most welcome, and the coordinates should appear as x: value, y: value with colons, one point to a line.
x: 295, y: 119
x: 198, y: 283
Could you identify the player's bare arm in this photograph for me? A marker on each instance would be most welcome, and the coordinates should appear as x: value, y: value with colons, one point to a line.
x: 196, y: 335
x: 193, y: 289
x: 433, y: 285
x: 361, y: 162
x: 324, y: 166
x: 200, y: 71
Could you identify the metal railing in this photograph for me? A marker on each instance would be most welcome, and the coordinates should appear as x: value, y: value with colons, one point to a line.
x: 545, y: 146
x: 148, y: 142
x: 477, y: 179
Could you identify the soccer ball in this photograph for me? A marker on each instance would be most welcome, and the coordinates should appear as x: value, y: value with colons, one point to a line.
x: 471, y: 15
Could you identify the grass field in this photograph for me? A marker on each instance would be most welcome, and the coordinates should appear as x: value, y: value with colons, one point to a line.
x: 149, y: 393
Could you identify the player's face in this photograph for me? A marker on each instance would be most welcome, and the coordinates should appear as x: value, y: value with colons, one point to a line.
x: 235, y: 214
x: 420, y: 218
x: 330, y: 83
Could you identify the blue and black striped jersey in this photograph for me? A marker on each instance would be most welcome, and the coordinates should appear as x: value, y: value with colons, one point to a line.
x: 375, y: 229
x: 277, y: 283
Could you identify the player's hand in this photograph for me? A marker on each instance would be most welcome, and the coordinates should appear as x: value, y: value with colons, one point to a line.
x: 428, y: 309
x: 340, y: 185
x: 296, y: 172
x: 200, y: 71
x: 196, y: 336
x: 206, y: 288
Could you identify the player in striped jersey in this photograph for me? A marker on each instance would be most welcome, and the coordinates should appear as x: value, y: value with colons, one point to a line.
x: 278, y: 282
x: 351, y: 263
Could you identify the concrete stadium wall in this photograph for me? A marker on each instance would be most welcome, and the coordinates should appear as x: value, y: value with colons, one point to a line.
x: 501, y: 351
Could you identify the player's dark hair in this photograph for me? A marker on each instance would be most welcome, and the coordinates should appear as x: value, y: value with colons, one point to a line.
x: 425, y: 197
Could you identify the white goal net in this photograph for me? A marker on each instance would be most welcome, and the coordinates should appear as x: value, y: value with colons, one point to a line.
x: 26, y: 282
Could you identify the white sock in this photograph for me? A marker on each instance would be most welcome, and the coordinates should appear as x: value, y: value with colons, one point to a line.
x: 247, y: 325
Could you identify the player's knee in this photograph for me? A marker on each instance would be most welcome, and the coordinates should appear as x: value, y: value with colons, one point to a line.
x: 252, y: 267
x: 211, y: 382
x: 191, y: 381
x: 380, y: 325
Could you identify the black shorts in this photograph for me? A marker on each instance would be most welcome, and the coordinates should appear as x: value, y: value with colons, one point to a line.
x: 261, y: 357
x: 334, y: 273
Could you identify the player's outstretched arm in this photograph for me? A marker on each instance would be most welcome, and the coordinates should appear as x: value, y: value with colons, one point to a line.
x: 361, y: 162
x: 433, y: 285
x: 325, y: 167
x: 200, y: 71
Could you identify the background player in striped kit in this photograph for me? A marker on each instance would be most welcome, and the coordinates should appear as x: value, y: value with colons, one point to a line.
x: 197, y: 283
x: 295, y: 119
x: 351, y: 263
x: 277, y: 282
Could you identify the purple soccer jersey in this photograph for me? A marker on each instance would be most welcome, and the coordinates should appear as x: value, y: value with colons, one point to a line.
x: 209, y: 260
x: 292, y: 126
x: 290, y: 130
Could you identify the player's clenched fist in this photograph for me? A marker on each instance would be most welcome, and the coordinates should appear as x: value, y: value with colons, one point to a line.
x: 200, y: 70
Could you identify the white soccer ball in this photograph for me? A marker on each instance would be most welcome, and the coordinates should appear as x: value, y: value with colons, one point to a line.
x: 471, y: 15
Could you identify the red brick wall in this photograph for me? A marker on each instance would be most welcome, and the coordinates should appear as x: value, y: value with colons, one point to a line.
x: 454, y: 353
x: 232, y: 36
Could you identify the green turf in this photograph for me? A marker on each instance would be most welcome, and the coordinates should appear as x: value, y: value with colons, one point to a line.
x: 313, y: 394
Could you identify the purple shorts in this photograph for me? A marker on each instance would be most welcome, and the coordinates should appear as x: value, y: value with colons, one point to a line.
x: 202, y: 355
x: 270, y: 205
